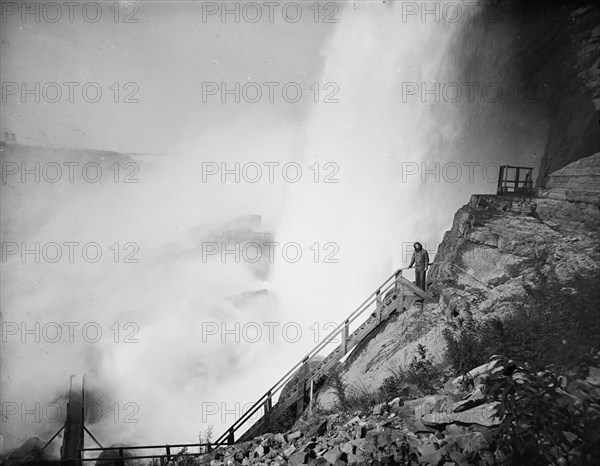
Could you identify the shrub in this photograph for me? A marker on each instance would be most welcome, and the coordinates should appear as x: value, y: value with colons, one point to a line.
x: 418, y: 379
x: 352, y: 397
x: 422, y: 372
x: 205, y: 437
x: 465, y: 347
x: 541, y: 423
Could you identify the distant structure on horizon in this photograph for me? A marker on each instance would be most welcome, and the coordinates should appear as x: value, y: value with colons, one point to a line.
x: 241, y: 229
x: 9, y: 137
x: 243, y: 234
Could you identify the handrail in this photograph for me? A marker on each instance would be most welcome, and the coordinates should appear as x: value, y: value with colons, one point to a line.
x: 511, y: 183
x: 121, y: 449
x: 290, y: 374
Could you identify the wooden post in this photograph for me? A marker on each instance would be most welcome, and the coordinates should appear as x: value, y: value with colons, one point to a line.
x: 301, y: 388
x: 268, y: 406
x: 230, y: 437
x: 517, y: 179
x: 168, y: 448
x: 345, y: 335
x: 120, y: 461
x: 378, y: 304
x: 500, y: 178
x: 401, y: 306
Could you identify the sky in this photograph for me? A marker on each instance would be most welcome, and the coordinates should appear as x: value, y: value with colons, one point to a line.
x: 380, y: 167
x: 166, y: 55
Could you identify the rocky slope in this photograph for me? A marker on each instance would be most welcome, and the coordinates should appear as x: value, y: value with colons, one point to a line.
x: 500, y: 252
x: 502, y: 249
x: 454, y: 427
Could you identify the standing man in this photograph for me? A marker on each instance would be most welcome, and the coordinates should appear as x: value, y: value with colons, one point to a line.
x: 420, y: 260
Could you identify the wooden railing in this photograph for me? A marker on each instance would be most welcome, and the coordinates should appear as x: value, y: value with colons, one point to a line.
x: 240, y: 235
x: 515, y: 180
x: 393, y: 286
x: 170, y: 453
x: 391, y: 294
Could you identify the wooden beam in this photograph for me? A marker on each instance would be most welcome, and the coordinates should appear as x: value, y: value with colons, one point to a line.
x: 378, y: 306
x: 415, y: 289
x: 302, y: 373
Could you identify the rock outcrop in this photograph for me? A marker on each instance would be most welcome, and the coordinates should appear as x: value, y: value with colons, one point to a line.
x: 503, y: 248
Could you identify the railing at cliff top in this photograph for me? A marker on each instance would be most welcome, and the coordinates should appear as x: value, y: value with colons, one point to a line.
x: 511, y: 182
x: 394, y: 283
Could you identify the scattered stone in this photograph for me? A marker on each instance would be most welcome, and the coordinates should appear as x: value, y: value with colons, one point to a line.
x: 394, y: 404
x: 289, y: 451
x: 333, y: 455
x: 294, y: 435
x: 431, y: 455
x: 297, y: 458
x: 347, y: 447
x: 320, y: 462
x: 354, y: 420
x: 360, y: 431
x: 357, y: 459
x: 318, y: 430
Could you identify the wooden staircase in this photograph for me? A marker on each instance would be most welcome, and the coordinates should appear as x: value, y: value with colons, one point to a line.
x: 296, y: 386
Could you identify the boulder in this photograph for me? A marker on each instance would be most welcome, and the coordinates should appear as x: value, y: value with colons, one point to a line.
x: 432, y: 455
x: 289, y: 451
x: 484, y: 415
x: 356, y: 459
x: 346, y: 447
x: 297, y: 458
x: 333, y: 455
x: 478, y: 374
x: 475, y: 398
x: 294, y: 436
x: 469, y: 442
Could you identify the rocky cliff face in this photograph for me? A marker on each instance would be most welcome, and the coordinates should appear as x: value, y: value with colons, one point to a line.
x: 500, y: 250
x: 545, y: 56
x: 560, y: 58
